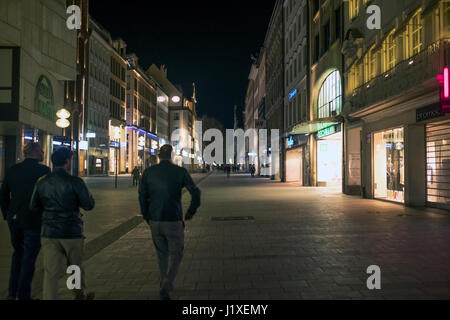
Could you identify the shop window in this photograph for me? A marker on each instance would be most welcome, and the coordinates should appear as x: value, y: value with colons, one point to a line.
x: 389, y: 165
x: 330, y: 96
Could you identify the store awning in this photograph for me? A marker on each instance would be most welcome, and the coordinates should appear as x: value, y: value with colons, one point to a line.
x: 314, y: 125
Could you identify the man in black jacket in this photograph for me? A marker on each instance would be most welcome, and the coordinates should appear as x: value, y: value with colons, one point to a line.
x: 160, y: 200
x: 59, y: 197
x: 25, y: 228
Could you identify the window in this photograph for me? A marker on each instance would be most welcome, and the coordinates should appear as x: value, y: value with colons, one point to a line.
x: 337, y: 21
x: 370, y: 65
x: 390, y: 52
x: 176, y: 116
x: 416, y: 33
x: 354, y: 8
x: 330, y: 96
x: 326, y: 38
x: 316, y: 48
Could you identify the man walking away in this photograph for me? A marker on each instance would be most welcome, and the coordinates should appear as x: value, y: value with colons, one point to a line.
x: 59, y: 196
x: 135, y: 173
x: 160, y: 200
x: 25, y: 229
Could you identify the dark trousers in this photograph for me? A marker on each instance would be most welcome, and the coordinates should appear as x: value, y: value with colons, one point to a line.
x: 135, y: 181
x: 26, y: 244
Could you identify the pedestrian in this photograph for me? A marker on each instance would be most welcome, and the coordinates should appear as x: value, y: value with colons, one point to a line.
x: 160, y: 200
x: 228, y: 171
x: 135, y: 173
x: 59, y: 197
x: 25, y: 228
x: 252, y: 170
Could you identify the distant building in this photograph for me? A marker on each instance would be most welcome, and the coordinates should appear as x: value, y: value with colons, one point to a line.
x: 141, y: 118
x: 274, y: 44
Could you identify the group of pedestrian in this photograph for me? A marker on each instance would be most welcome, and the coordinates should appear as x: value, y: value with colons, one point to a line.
x: 42, y: 209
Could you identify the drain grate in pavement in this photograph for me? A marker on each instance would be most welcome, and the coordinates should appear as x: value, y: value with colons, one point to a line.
x: 232, y: 218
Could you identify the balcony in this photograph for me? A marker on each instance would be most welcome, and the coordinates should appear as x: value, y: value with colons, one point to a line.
x: 406, y: 75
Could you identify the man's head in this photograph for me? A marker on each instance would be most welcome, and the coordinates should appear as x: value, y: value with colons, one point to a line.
x: 62, y: 158
x: 33, y: 150
x: 165, y: 153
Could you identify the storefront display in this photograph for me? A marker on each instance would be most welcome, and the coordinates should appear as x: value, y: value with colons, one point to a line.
x: 389, y: 165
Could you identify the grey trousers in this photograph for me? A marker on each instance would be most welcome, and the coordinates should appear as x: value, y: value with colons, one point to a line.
x: 59, y: 253
x: 168, y: 238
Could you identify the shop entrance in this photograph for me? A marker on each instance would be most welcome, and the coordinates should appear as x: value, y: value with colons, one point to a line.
x: 329, y: 160
x: 389, y: 165
x: 438, y: 164
x: 294, y: 166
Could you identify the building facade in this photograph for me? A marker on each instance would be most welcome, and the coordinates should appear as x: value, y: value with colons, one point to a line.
x: 97, y: 102
x: 396, y: 126
x: 37, y: 57
x: 296, y: 92
x: 274, y: 45
x: 117, y: 108
x: 142, y: 140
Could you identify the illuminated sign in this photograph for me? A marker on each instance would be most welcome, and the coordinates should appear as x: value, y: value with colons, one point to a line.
x: 444, y: 80
x: 292, y: 94
x: 328, y: 131
x: 290, y: 141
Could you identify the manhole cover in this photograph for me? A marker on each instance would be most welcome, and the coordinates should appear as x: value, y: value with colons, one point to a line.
x: 232, y: 218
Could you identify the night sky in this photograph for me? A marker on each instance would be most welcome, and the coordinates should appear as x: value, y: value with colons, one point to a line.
x: 208, y: 43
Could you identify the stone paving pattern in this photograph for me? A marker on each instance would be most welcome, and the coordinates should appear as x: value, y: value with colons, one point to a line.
x: 304, y: 243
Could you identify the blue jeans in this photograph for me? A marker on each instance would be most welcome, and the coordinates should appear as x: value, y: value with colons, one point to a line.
x: 26, y: 244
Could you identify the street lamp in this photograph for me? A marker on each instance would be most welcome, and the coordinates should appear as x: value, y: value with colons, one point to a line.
x: 62, y: 121
x: 176, y: 99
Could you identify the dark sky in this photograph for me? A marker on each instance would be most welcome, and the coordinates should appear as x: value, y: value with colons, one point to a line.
x: 206, y: 42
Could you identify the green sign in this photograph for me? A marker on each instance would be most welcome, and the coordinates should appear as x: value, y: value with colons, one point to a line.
x: 44, y: 98
x: 326, y: 132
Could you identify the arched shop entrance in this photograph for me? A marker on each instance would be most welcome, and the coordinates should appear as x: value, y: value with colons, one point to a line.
x: 330, y: 139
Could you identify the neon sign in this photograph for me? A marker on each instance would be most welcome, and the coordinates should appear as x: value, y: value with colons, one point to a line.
x: 444, y: 80
x: 292, y: 94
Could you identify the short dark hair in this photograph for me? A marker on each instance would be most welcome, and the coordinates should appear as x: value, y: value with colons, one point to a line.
x: 60, y: 157
x: 30, y: 149
x: 165, y: 153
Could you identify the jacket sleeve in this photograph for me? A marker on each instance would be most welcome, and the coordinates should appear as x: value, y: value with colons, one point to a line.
x: 5, y: 196
x: 194, y: 191
x: 144, y: 195
x: 86, y: 201
x: 36, y: 206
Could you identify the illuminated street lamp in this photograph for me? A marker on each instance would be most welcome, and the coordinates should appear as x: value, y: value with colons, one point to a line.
x: 176, y: 99
x: 62, y: 121
x: 161, y: 99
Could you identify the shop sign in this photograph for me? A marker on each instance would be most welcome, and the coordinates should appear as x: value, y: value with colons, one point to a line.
x: 292, y: 94
x: 327, y: 131
x: 44, y: 98
x: 429, y: 112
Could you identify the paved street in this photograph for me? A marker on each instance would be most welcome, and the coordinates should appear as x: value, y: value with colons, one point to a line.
x: 299, y: 243
x: 116, y: 212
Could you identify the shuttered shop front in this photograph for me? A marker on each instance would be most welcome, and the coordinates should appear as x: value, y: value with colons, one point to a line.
x: 438, y: 164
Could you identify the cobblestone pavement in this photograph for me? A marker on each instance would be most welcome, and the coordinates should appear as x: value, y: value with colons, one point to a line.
x: 113, y: 214
x: 302, y: 243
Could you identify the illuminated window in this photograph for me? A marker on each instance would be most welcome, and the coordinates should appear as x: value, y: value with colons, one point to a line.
x: 446, y: 10
x: 373, y: 64
x: 415, y: 32
x: 330, y: 96
x: 354, y: 8
x: 390, y: 53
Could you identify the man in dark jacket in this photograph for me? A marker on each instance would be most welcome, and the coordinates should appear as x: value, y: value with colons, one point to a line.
x: 25, y: 228
x: 59, y: 197
x: 160, y: 200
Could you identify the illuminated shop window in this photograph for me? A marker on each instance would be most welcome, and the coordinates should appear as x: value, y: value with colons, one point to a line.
x: 389, y: 165
x: 330, y: 96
